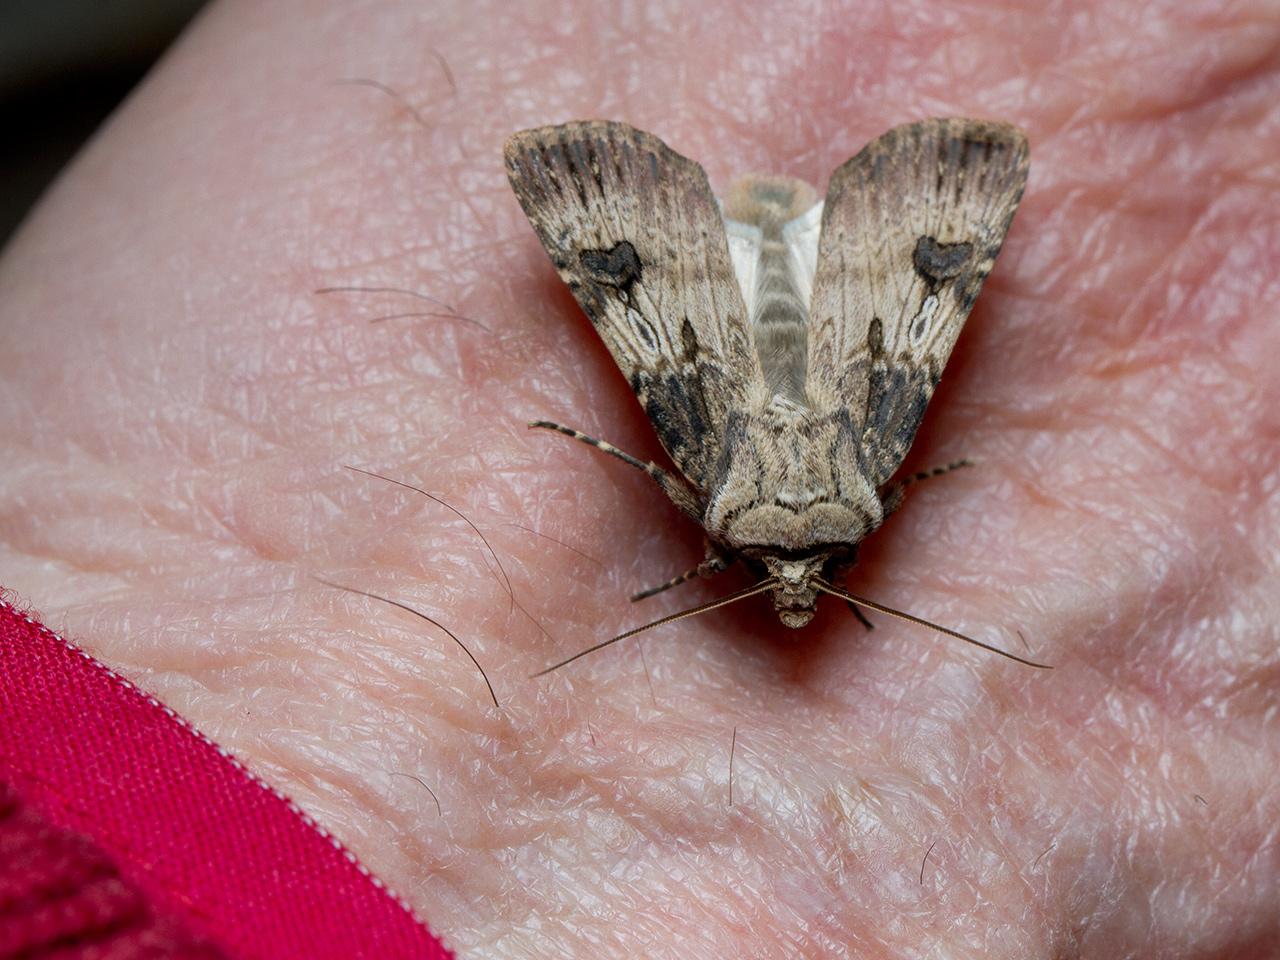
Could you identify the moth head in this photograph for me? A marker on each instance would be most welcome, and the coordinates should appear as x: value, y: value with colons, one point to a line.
x: 795, y: 591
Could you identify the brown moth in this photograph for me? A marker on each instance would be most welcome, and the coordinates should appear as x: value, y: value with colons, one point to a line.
x: 784, y: 349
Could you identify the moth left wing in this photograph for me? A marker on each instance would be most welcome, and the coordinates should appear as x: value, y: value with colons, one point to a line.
x: 910, y: 229
x: 636, y: 233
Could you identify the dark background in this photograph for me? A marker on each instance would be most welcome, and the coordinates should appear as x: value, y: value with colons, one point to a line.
x: 64, y: 66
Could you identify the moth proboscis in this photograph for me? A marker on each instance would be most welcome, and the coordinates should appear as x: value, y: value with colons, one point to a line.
x: 784, y: 349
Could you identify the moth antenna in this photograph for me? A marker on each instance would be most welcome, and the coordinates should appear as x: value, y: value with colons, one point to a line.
x: 431, y: 620
x: 742, y: 594
x: 394, y: 94
x: 920, y: 621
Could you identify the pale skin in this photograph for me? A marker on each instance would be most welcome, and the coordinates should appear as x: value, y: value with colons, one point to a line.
x: 178, y: 405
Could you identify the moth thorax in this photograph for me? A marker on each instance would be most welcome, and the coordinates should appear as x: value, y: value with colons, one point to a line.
x: 768, y: 202
x: 795, y: 598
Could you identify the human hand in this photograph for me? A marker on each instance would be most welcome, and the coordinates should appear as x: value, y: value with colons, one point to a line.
x: 180, y: 403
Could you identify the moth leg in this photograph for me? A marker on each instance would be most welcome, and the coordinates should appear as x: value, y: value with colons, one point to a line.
x: 679, y: 492
x: 892, y: 495
x: 673, y: 582
x: 713, y: 564
x: 862, y: 617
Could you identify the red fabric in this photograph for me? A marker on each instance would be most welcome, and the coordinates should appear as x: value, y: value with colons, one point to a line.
x: 61, y: 897
x: 182, y: 819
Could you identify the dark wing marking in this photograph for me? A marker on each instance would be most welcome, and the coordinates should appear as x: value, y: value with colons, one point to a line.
x: 636, y: 233
x: 910, y: 229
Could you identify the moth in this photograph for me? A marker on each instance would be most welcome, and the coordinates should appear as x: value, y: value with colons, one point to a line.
x: 783, y: 348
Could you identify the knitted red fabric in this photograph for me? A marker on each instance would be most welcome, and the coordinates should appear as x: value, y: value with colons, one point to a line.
x: 61, y: 896
x: 210, y: 853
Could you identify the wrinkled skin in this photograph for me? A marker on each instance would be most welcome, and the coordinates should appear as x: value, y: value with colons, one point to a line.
x: 178, y: 404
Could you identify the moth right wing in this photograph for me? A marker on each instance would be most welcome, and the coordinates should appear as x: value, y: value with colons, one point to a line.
x: 636, y: 233
x: 910, y: 229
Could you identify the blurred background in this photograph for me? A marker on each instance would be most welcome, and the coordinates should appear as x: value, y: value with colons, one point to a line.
x: 64, y: 66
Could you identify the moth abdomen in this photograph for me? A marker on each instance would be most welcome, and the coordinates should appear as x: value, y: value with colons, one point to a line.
x: 776, y: 281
